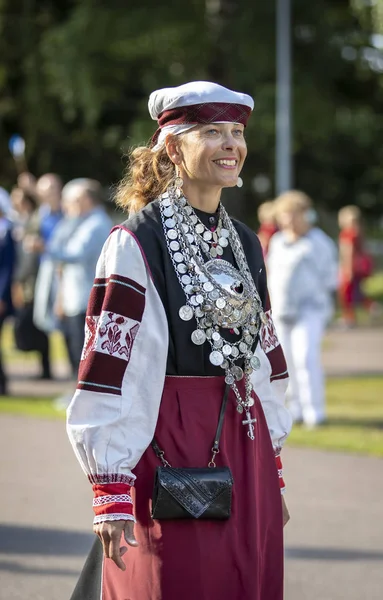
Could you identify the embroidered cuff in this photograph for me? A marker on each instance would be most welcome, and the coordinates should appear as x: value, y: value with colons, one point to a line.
x: 95, y: 478
x: 278, y: 462
x: 112, y: 501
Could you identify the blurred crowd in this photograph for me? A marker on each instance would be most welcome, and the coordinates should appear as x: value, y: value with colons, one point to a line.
x: 309, y: 275
x: 50, y: 239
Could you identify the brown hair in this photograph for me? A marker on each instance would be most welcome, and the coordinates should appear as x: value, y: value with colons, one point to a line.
x: 148, y: 175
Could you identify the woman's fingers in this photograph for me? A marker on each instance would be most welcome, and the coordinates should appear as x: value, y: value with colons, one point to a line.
x: 286, y: 514
x: 129, y: 534
x: 104, y: 537
x: 110, y: 533
x: 115, y: 551
x: 286, y: 519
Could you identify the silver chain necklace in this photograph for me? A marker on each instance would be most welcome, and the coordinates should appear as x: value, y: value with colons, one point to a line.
x: 212, y: 243
x: 218, y: 295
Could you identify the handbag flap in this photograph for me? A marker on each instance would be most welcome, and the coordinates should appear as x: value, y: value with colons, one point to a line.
x: 195, y: 489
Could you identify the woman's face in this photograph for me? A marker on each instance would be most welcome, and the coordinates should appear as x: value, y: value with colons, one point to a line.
x: 213, y: 155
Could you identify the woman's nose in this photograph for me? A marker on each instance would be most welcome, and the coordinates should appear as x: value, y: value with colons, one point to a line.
x: 229, y: 142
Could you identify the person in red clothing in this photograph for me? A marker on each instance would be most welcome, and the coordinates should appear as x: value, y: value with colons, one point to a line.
x: 355, y: 263
x: 267, y: 224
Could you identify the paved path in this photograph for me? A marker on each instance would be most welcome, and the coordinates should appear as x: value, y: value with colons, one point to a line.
x: 334, y: 543
x: 351, y: 352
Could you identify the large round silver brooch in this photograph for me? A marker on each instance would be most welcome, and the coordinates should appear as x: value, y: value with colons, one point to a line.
x: 238, y: 302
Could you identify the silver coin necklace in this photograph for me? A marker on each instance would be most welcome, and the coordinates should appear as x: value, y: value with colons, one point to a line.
x: 218, y: 296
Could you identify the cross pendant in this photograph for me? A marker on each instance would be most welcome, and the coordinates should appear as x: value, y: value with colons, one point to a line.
x: 249, y: 422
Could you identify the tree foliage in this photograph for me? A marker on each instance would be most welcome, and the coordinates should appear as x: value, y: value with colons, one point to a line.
x: 75, y: 76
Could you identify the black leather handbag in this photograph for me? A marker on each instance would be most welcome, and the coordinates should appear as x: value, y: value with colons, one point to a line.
x: 193, y: 492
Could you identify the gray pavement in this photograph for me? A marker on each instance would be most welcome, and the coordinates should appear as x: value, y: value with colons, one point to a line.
x: 334, y: 542
x: 353, y: 352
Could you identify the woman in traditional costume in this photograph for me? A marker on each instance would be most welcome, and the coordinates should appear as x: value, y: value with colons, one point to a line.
x: 180, y: 347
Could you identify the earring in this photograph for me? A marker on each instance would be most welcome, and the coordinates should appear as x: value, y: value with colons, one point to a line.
x: 178, y: 183
x: 239, y: 182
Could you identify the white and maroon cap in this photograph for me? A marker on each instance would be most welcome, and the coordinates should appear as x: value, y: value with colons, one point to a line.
x: 178, y: 109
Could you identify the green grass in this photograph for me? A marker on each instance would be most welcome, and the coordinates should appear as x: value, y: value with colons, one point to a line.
x: 355, y: 418
x: 355, y: 411
x: 373, y: 287
x: 31, y: 407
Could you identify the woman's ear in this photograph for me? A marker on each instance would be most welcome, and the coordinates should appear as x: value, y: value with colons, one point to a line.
x: 173, y: 149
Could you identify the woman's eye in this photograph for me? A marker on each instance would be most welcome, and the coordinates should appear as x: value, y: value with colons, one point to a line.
x: 212, y: 131
x: 238, y: 132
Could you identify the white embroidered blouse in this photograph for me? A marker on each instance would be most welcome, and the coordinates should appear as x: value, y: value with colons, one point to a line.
x: 113, y: 414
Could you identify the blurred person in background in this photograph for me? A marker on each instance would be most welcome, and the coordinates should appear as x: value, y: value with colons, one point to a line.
x: 7, y: 263
x: 355, y: 265
x: 27, y: 336
x: 47, y: 316
x: 302, y: 275
x: 48, y: 194
x: 24, y: 207
x: 75, y: 255
x: 27, y: 183
x: 48, y: 190
x: 267, y: 224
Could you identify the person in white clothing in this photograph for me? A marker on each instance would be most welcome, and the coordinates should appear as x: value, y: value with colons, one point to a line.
x: 302, y: 271
x: 75, y: 251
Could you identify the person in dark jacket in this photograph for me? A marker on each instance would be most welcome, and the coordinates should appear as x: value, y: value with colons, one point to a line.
x: 7, y: 263
x: 28, y: 337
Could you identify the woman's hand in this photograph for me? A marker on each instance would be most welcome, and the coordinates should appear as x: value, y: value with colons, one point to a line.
x: 110, y: 533
x: 286, y: 514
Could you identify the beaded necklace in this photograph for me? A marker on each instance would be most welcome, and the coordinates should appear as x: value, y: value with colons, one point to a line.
x: 218, y: 296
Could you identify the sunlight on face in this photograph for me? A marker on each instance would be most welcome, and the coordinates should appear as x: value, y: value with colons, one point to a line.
x: 213, y: 155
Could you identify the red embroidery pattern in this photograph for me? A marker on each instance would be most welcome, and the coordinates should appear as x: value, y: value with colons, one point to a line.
x: 107, y: 478
x: 90, y: 336
x: 113, y: 330
x: 268, y: 335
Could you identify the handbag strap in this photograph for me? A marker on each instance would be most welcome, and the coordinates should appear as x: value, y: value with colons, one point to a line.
x: 215, y: 449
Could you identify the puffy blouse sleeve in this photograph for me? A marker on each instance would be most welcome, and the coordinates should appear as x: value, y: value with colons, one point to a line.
x: 113, y: 414
x: 270, y: 381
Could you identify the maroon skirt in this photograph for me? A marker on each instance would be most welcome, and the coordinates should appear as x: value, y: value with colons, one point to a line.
x: 237, y: 559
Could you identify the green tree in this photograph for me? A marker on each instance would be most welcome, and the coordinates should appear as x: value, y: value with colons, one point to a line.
x: 75, y: 76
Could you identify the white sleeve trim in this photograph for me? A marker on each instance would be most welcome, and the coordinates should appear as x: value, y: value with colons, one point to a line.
x: 113, y: 517
x: 120, y: 498
x: 272, y: 397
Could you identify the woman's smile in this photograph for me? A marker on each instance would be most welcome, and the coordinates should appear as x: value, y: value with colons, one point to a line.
x: 226, y: 163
